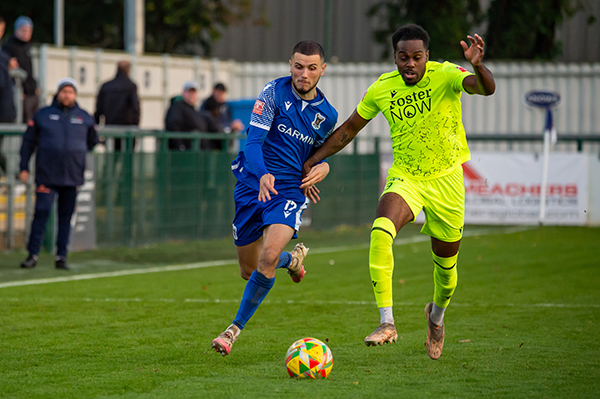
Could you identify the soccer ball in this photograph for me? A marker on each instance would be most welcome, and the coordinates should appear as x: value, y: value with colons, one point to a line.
x: 308, y: 358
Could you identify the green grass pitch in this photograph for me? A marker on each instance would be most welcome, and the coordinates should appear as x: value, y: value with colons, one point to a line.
x: 524, y: 322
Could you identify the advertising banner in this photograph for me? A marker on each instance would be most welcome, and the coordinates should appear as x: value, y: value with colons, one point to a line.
x: 504, y: 188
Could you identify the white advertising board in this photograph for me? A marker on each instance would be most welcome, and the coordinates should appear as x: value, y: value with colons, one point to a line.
x: 504, y: 188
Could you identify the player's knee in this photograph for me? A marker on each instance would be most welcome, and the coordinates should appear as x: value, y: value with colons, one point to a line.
x: 268, y: 259
x: 245, y: 275
x: 447, y: 278
x: 246, y: 269
x: 383, y: 233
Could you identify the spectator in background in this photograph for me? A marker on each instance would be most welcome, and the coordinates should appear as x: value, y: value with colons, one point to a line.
x: 18, y: 48
x: 118, y: 101
x: 215, y: 107
x: 7, y: 104
x: 62, y: 134
x: 183, y: 117
x: 7, y: 101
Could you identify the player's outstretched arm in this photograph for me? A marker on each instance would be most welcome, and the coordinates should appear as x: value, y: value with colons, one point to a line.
x: 340, y: 138
x: 483, y: 82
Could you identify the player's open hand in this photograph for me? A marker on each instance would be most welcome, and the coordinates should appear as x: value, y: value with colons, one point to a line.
x: 312, y: 193
x: 267, y: 186
x: 474, y: 51
x: 315, y: 175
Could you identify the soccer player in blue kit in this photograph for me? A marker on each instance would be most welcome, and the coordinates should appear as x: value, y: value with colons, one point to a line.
x: 290, y: 118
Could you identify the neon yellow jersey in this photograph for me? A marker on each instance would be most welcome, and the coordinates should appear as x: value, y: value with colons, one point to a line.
x: 428, y: 136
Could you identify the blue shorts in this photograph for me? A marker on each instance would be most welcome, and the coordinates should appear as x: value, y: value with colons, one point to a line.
x: 252, y: 216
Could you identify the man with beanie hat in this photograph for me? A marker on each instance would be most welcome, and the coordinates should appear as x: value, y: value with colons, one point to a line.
x: 18, y: 48
x: 62, y: 134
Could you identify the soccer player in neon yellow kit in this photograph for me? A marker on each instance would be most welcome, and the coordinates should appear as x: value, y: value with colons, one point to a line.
x: 421, y: 101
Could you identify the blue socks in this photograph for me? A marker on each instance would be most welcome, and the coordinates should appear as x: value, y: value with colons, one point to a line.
x: 284, y: 260
x: 257, y: 288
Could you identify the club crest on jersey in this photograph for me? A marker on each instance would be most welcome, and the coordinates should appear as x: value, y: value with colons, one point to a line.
x: 316, y: 124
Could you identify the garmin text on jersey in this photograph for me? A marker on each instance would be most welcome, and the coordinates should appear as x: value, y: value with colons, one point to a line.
x: 295, y: 134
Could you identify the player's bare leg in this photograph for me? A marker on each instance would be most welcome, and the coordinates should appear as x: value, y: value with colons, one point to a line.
x: 248, y: 257
x: 275, y: 238
x: 392, y: 214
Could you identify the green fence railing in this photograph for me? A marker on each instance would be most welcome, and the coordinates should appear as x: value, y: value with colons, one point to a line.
x: 164, y: 195
x: 151, y: 194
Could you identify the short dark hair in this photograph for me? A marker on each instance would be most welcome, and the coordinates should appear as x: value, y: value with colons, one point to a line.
x: 124, y: 67
x: 410, y: 32
x: 2, y: 19
x: 308, y: 47
x: 220, y: 86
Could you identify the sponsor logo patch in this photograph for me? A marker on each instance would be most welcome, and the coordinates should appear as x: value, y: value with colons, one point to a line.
x: 461, y: 69
x: 54, y: 117
x: 258, y: 107
x: 77, y: 120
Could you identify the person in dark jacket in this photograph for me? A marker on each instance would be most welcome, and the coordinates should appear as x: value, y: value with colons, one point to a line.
x: 7, y: 104
x: 118, y: 101
x: 18, y: 47
x: 216, y: 108
x: 183, y: 117
x: 7, y: 101
x: 62, y: 134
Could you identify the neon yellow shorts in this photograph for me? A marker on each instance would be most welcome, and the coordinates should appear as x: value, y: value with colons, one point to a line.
x: 442, y: 200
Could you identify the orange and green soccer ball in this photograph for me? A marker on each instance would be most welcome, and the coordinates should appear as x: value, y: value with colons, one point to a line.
x: 308, y: 358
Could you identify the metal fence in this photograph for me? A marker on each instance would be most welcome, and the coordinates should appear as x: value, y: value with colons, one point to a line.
x: 159, y: 77
x: 143, y: 197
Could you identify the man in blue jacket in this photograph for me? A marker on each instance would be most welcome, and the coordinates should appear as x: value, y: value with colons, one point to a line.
x: 62, y: 134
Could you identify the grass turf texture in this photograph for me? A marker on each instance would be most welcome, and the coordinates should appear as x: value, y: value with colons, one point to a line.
x: 527, y: 306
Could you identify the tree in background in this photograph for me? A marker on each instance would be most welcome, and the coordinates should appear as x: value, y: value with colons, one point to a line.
x: 447, y: 22
x: 172, y: 26
x: 190, y: 26
x: 87, y: 23
x: 520, y: 29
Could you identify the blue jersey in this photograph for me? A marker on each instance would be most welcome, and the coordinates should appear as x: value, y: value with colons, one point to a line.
x: 287, y: 128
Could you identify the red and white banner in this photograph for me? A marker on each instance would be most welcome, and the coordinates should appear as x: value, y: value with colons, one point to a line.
x: 504, y: 188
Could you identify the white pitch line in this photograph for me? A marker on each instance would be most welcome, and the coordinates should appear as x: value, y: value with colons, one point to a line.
x: 91, y: 276
x: 298, y: 302
x: 189, y: 266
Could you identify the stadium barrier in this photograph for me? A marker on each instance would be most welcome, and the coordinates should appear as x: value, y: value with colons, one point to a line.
x: 160, y: 77
x: 143, y: 195
x: 135, y: 197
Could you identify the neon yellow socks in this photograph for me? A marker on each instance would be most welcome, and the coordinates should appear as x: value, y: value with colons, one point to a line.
x: 445, y: 278
x: 381, y: 260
